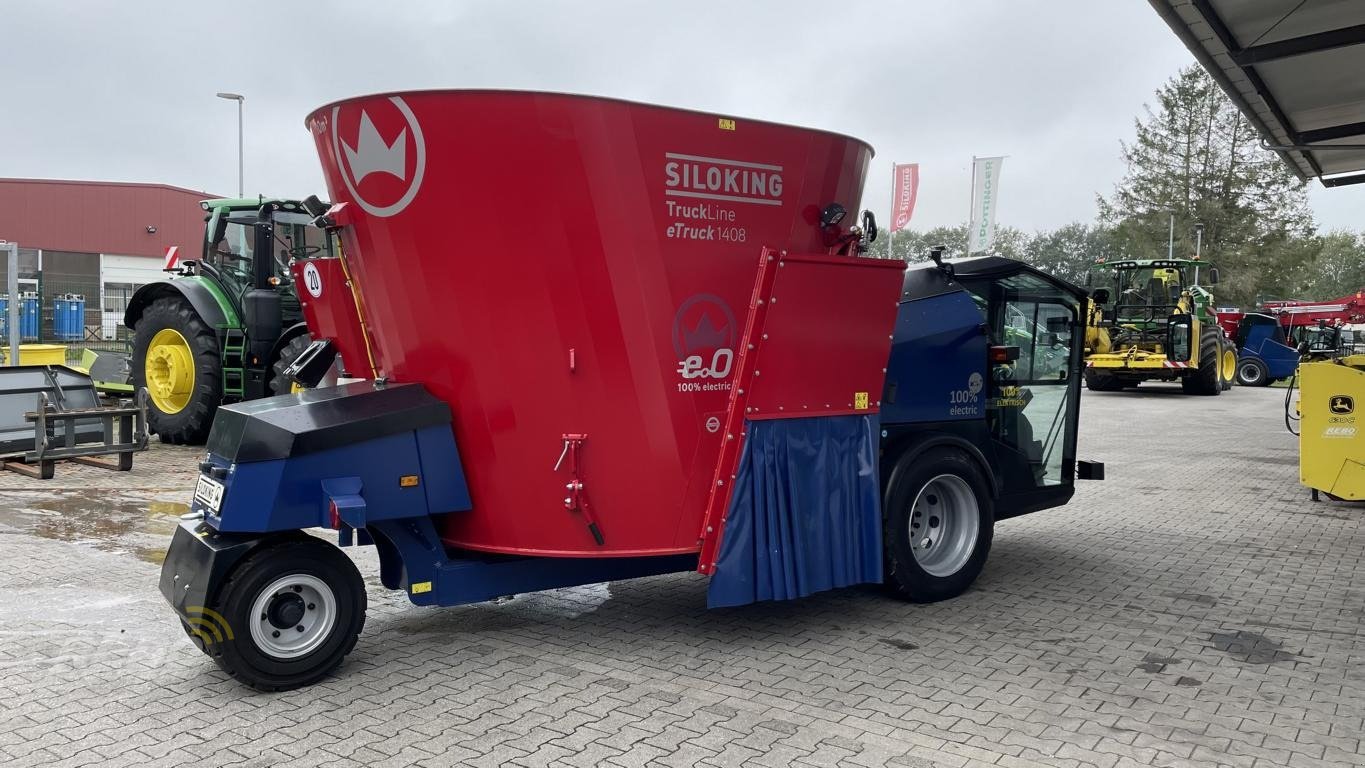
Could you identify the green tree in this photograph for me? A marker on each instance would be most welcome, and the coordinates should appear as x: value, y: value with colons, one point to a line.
x: 1196, y: 156
x: 1336, y: 267
x: 1070, y: 251
x: 914, y: 245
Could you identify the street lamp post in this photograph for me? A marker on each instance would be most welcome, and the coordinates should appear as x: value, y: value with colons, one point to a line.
x: 239, y: 98
x: 1198, y: 246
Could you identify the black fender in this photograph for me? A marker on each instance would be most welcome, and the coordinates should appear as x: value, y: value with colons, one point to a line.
x: 203, y: 301
x: 902, y: 451
x: 200, y: 559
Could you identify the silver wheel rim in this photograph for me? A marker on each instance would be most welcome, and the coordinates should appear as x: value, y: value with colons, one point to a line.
x: 1250, y: 372
x: 944, y: 524
x: 298, y: 595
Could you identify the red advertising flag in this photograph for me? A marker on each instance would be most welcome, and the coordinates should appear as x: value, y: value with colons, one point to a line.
x: 906, y: 187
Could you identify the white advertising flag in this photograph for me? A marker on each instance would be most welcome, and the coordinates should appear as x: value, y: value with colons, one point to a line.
x: 985, y: 194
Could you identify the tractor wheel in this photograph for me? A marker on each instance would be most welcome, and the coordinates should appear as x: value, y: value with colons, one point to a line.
x: 293, y: 611
x: 1227, y: 363
x: 279, y: 383
x: 1098, y: 381
x: 1204, y: 380
x: 939, y: 523
x: 175, y: 356
x: 1252, y: 373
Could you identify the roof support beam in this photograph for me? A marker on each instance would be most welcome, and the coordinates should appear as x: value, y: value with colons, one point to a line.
x: 1342, y: 181
x: 1332, y: 132
x: 1229, y: 41
x: 1298, y: 46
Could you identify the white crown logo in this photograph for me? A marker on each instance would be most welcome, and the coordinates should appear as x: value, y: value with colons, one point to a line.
x: 372, y: 155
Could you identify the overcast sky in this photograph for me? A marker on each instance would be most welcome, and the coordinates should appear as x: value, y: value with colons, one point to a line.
x: 125, y: 91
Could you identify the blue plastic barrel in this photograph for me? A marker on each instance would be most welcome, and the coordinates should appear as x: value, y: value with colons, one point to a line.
x: 59, y: 318
x: 76, y: 324
x: 68, y: 316
x: 28, y: 316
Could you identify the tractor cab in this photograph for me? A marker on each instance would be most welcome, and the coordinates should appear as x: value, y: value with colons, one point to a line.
x: 230, y: 245
x: 1146, y: 293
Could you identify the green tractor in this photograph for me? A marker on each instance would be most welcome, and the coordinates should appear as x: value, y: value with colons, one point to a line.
x: 228, y: 324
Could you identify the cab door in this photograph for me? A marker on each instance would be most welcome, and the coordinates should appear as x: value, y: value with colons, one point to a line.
x: 1036, y: 336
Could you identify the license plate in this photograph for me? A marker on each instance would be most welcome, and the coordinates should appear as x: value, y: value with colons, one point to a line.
x: 209, y: 491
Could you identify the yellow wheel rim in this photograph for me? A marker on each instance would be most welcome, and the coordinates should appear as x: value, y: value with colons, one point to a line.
x: 169, y: 369
x: 1229, y: 365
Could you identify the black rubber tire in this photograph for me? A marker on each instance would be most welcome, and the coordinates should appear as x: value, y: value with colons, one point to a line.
x: 1252, y: 373
x: 1097, y: 381
x: 279, y: 383
x: 1204, y: 380
x: 190, y: 425
x: 903, y: 574
x: 242, y: 659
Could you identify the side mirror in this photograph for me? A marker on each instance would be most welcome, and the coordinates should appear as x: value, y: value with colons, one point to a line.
x: 1100, y: 295
x: 313, y: 206
x: 1213, y: 275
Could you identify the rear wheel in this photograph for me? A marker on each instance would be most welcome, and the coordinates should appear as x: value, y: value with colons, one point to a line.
x: 1098, y: 381
x: 175, y: 356
x: 1252, y: 373
x: 939, y: 521
x: 295, y: 609
x: 1227, y: 363
x: 1204, y: 380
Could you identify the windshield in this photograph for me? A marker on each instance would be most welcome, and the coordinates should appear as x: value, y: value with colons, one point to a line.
x: 1149, y: 286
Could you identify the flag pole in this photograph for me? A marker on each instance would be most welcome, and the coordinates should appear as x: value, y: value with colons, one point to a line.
x: 971, y: 208
x: 891, y: 220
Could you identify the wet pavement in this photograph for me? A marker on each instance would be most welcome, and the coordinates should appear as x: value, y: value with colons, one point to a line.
x: 1193, y: 609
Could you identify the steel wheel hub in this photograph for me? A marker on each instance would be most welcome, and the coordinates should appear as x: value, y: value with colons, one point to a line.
x: 944, y: 524
x: 169, y: 370
x: 293, y: 616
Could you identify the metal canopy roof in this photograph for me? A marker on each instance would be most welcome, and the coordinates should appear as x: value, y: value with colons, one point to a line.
x: 1296, y: 69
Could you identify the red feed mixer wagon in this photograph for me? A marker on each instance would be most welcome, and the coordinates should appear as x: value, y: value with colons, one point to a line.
x: 604, y: 340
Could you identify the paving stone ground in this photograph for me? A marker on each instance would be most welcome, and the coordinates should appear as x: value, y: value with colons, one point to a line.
x: 1194, y: 609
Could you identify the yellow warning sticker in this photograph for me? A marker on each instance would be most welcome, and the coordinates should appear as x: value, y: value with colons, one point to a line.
x: 727, y: 124
x: 859, y: 401
x: 421, y: 587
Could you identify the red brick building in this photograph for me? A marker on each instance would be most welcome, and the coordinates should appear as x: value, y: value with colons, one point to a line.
x: 98, y: 239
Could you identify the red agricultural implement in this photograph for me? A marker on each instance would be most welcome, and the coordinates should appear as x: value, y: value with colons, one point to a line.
x: 604, y: 340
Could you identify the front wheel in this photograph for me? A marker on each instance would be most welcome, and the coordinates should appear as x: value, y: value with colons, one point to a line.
x: 1204, y: 379
x: 1099, y: 381
x: 939, y: 521
x: 1252, y: 373
x: 295, y: 609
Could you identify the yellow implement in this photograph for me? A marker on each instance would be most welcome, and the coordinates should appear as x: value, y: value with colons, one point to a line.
x: 37, y: 354
x: 1332, y: 432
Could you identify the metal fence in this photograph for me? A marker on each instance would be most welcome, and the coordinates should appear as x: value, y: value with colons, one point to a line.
x: 77, y: 313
